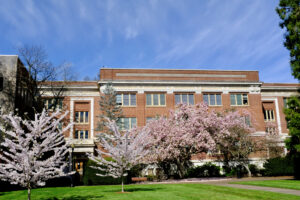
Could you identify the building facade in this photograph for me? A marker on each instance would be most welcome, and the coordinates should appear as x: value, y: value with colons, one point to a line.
x: 145, y: 94
x: 13, y: 85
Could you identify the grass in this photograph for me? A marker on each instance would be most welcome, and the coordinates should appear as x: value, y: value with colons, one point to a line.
x: 288, y: 184
x: 147, y: 192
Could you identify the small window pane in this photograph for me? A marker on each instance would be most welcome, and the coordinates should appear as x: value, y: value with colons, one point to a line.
x: 155, y: 99
x: 81, y: 117
x: 125, y: 99
x: 232, y: 99
x: 86, y: 134
x: 191, y: 99
x: 162, y: 99
x: 285, y: 100
x: 212, y: 99
x: 184, y: 98
x: 81, y: 134
x: 126, y: 123
x: 76, y: 134
x: 86, y: 117
x: 148, y: 100
x: 239, y: 99
x: 177, y: 99
x: 219, y: 101
x: 76, y: 117
x: 119, y: 99
x: 148, y: 119
x: 132, y: 99
x: 245, y: 99
x: 205, y: 98
x: 133, y: 122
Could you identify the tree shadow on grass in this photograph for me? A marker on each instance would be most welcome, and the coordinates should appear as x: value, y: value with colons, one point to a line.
x: 141, y: 189
x: 76, y: 197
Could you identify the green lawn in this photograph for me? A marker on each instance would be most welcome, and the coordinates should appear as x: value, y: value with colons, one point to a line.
x: 288, y: 184
x: 146, y: 192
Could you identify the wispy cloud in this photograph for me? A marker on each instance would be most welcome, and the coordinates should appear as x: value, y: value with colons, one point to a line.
x: 184, y: 34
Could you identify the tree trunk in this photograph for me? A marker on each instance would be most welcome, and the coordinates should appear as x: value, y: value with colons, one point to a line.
x: 181, y: 170
x: 29, y: 192
x: 122, y: 184
x: 248, y: 170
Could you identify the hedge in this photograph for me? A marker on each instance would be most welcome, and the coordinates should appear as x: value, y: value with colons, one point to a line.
x: 280, y: 166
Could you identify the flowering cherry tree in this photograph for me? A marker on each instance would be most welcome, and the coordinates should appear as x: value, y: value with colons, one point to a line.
x: 188, y: 130
x: 33, y: 150
x: 125, y: 149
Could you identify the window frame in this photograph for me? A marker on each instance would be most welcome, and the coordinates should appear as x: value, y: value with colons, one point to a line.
x: 129, y: 99
x: 215, y: 97
x: 242, y: 99
x: 121, y: 123
x: 78, y: 133
x: 59, y: 106
x: 159, y: 99
x: 79, y: 117
x: 188, y: 98
x: 267, y: 115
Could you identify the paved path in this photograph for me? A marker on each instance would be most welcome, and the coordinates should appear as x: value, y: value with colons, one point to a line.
x: 226, y: 182
x: 252, y: 187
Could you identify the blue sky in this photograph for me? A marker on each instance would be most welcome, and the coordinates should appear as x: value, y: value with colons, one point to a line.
x: 176, y: 34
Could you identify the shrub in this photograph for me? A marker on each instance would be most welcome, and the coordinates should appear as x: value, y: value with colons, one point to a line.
x: 280, y: 166
x: 254, y: 170
x: 206, y: 170
x: 90, y: 177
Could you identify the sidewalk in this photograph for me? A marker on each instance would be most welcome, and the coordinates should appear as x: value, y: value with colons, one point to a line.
x: 226, y: 183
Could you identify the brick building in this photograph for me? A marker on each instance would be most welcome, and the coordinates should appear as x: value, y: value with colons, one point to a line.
x: 147, y: 93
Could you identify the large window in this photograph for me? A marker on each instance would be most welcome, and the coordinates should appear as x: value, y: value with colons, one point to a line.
x: 126, y: 99
x: 239, y: 99
x: 184, y: 98
x: 52, y: 104
x: 212, y: 99
x: 127, y: 123
x: 81, y: 134
x: 269, y: 115
x: 82, y: 117
x: 155, y: 99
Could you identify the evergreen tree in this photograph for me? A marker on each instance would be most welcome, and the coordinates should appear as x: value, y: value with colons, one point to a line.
x: 289, y: 13
x: 109, y: 107
x: 292, y: 114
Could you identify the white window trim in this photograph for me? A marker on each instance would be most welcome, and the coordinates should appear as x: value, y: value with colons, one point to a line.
x: 84, y: 117
x: 277, y: 112
x: 130, y: 122
x: 188, y: 97
x: 72, y: 114
x: 122, y: 99
x: 235, y: 96
x: 215, y: 94
x: 152, y: 98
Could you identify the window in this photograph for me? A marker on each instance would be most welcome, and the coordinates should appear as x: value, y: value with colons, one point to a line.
x: 269, y: 115
x: 184, y: 98
x: 285, y: 100
x: 127, y: 123
x: 212, y: 99
x: 155, y: 99
x: 239, y: 99
x: 81, y: 134
x: 50, y: 103
x: 82, y: 117
x: 126, y: 99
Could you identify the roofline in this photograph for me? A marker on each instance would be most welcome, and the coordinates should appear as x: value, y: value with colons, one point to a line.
x: 183, y: 69
x: 179, y: 83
